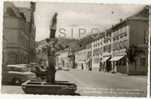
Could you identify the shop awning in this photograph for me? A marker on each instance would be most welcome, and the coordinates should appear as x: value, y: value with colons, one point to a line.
x: 105, y: 59
x: 116, y: 58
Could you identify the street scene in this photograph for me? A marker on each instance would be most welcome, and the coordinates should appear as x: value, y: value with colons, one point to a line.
x: 75, y: 49
x: 116, y: 85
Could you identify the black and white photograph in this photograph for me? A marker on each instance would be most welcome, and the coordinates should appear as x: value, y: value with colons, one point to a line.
x: 75, y: 49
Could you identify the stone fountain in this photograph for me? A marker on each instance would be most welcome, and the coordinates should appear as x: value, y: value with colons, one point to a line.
x: 50, y: 86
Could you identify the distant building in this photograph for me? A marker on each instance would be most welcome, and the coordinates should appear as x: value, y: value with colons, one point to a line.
x: 81, y: 58
x: 18, y: 34
x: 96, y: 53
x: 89, y: 56
x: 101, y: 52
x: 65, y: 58
x: 106, y: 54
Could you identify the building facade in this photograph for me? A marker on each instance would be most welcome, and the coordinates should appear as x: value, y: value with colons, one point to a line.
x: 105, y: 64
x: 122, y: 48
x: 129, y: 41
x: 97, y: 48
x: 18, y: 34
x: 65, y: 58
x: 81, y: 59
x: 101, y: 52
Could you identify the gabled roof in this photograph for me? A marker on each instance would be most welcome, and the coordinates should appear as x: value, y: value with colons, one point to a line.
x: 10, y: 6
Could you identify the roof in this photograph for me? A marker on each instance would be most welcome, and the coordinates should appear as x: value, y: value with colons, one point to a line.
x: 17, y: 66
x: 13, y: 8
x: 18, y: 11
x: 141, y: 15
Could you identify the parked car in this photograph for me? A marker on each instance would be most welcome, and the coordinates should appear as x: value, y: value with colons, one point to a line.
x: 17, y: 74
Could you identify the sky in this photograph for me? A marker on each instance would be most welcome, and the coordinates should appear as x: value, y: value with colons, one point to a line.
x: 76, y: 20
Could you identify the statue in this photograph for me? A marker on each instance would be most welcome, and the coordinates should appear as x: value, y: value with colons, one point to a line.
x: 53, y: 26
x: 51, y: 50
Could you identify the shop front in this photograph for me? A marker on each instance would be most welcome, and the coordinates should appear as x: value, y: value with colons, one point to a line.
x: 119, y: 64
x: 106, y: 64
x: 119, y: 61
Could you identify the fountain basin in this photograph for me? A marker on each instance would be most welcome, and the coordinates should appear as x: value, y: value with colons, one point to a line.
x: 57, y: 88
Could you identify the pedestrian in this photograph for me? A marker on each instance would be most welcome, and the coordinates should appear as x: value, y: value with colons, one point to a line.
x: 100, y: 66
x: 90, y: 64
x: 82, y: 66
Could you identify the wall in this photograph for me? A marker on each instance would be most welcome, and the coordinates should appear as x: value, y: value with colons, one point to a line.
x: 138, y: 28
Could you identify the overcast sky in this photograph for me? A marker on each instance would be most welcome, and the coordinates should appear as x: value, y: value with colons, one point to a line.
x: 74, y: 16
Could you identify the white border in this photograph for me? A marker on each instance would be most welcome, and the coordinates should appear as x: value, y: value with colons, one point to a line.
x: 77, y: 1
x: 149, y: 38
x: 1, y: 32
x: 94, y: 1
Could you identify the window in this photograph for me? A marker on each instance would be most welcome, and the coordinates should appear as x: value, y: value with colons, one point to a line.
x: 142, y: 61
x: 117, y: 38
x: 124, y: 34
x: 114, y: 39
x: 12, y: 58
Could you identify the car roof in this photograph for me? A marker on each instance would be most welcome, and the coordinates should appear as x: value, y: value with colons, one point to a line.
x: 23, y: 64
x: 33, y: 63
x: 16, y: 66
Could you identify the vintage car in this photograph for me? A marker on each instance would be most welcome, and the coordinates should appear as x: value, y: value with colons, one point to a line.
x: 16, y: 74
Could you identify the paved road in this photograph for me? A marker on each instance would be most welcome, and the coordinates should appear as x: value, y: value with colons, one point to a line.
x: 98, y: 84
x: 105, y: 84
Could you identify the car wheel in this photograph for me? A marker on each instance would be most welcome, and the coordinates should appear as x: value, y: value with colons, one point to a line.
x: 16, y: 81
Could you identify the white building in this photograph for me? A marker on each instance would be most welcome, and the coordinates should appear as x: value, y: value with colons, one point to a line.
x: 101, y: 52
x: 62, y: 58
